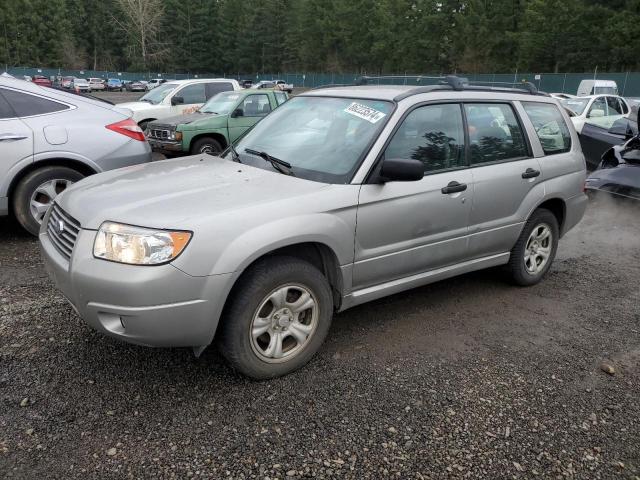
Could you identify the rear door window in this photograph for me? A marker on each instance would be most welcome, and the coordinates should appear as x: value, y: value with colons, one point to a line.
x: 281, y: 97
x: 494, y: 133
x: 615, y: 107
x: 26, y: 105
x: 214, y: 88
x: 5, y: 109
x: 550, y: 127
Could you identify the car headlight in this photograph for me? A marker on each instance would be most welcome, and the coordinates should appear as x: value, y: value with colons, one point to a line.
x: 138, y: 245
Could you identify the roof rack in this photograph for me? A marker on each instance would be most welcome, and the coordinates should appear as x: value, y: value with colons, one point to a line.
x: 453, y: 82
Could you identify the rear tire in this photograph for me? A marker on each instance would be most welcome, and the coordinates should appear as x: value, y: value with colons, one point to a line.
x: 206, y: 145
x: 277, y: 317
x: 36, y: 192
x: 533, y: 253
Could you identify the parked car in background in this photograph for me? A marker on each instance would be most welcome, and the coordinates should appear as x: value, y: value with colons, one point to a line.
x: 80, y: 85
x: 67, y: 82
x: 176, y: 98
x: 113, y: 84
x: 597, y: 139
x: 214, y: 126
x: 282, y: 85
x: 96, y: 84
x: 264, y: 84
x: 155, y: 82
x: 246, y: 83
x: 259, y: 248
x: 600, y: 110
x: 595, y: 87
x: 51, y: 139
x: 42, y: 81
x: 618, y: 174
x: 135, y: 86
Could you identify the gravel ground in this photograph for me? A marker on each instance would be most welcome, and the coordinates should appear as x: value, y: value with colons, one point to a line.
x: 466, y: 378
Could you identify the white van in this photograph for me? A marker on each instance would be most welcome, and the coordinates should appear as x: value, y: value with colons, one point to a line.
x: 595, y: 87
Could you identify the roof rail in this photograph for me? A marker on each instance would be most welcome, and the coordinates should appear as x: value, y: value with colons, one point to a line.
x: 443, y: 82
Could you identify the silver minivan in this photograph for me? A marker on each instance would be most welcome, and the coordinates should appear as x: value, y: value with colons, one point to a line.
x: 340, y: 196
x: 50, y: 139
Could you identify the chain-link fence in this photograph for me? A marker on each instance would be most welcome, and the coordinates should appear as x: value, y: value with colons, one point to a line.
x: 628, y: 82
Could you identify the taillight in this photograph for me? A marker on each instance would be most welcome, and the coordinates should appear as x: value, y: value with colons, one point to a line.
x: 129, y: 128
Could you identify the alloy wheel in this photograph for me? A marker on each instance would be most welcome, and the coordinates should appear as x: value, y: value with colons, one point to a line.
x: 284, y: 323
x: 538, y: 249
x: 43, y: 196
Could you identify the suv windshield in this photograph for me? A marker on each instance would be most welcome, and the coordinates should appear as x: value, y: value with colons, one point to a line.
x: 159, y: 93
x: 323, y: 139
x: 576, y: 105
x: 221, y: 103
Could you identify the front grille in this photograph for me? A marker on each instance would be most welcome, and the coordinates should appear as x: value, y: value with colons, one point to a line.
x: 63, y: 230
x: 159, y: 133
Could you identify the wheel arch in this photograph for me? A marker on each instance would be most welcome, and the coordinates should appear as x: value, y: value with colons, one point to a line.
x: 74, y: 164
x: 318, y: 254
x: 147, y: 120
x: 215, y: 135
x: 558, y: 207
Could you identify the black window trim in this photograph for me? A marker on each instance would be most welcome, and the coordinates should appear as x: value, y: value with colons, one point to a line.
x: 68, y: 105
x: 523, y: 130
x: 373, y: 175
x: 545, y: 154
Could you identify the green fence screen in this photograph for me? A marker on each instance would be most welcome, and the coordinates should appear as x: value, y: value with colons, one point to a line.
x: 628, y: 82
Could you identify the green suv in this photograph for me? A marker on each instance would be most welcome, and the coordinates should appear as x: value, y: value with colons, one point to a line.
x: 210, y: 129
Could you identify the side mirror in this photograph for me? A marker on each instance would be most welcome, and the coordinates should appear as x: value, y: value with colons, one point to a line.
x: 177, y: 100
x: 401, y: 170
x: 596, y: 112
x: 237, y: 113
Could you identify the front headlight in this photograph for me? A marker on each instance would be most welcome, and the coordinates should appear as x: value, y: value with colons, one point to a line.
x: 137, y: 245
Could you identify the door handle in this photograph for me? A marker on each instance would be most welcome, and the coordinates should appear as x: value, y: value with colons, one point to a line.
x: 11, y: 136
x: 454, y: 187
x: 530, y: 173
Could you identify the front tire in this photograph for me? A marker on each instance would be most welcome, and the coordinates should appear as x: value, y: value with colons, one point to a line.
x: 206, y: 145
x: 533, y: 253
x: 36, y: 192
x: 277, y: 317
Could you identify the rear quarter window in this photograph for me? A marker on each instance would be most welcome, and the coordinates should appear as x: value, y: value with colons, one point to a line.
x: 26, y: 105
x: 550, y: 127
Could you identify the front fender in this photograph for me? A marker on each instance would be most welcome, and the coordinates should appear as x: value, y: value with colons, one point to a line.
x: 335, y: 230
x: 325, y: 228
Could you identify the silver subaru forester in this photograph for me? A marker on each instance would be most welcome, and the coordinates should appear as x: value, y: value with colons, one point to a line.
x: 340, y: 196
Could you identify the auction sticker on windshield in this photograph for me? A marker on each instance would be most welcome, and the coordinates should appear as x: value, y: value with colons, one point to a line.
x: 369, y: 114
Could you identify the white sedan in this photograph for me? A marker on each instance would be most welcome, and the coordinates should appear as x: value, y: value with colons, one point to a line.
x: 601, y: 110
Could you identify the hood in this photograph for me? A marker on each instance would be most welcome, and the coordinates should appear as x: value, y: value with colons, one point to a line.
x: 186, y: 119
x: 175, y: 193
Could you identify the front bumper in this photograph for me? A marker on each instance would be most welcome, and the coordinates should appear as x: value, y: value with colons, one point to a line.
x: 165, y: 146
x: 147, y: 305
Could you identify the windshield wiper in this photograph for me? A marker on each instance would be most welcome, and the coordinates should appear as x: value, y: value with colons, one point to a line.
x: 146, y: 100
x: 280, y: 165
